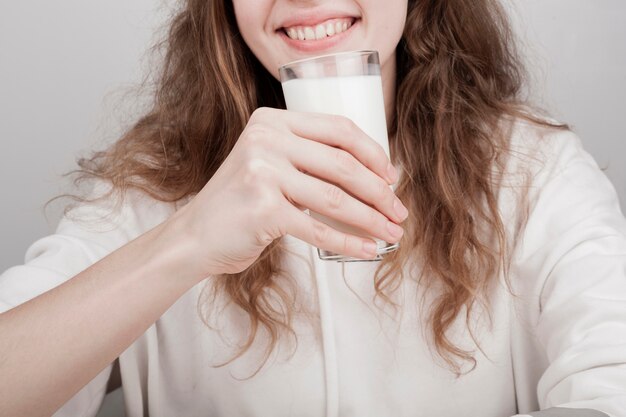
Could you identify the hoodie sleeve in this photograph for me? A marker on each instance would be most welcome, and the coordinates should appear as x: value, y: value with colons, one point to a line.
x: 575, y: 254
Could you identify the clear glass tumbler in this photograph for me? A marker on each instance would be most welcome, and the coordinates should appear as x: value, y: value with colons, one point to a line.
x: 347, y: 84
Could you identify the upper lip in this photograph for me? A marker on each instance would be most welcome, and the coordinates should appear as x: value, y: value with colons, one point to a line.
x: 313, y: 18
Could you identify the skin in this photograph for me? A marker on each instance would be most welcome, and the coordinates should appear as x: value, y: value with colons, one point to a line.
x: 379, y: 27
x: 282, y: 163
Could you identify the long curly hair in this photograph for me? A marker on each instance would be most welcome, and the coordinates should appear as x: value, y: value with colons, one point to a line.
x: 458, y: 74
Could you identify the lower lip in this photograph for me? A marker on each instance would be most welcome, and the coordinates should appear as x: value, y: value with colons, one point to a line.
x: 318, y: 44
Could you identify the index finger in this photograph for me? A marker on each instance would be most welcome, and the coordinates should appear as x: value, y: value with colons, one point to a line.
x: 341, y: 132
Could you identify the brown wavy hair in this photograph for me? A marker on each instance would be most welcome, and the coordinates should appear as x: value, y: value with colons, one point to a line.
x: 458, y: 74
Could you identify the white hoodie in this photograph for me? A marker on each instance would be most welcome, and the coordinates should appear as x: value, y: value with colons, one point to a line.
x: 555, y: 342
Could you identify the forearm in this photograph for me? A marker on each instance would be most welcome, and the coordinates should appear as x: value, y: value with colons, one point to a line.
x: 54, y: 344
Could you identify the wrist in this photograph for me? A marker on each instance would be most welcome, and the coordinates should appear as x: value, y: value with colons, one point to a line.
x: 172, y: 250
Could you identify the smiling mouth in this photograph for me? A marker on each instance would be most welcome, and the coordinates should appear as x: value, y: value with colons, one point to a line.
x: 326, y: 29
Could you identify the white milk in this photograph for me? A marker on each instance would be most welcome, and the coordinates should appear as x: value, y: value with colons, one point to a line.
x: 360, y: 98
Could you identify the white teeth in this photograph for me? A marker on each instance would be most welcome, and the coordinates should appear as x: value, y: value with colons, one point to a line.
x: 318, y: 32
x: 330, y: 29
x: 309, y: 34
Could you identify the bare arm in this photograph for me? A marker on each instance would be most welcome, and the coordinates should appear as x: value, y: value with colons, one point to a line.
x: 54, y: 344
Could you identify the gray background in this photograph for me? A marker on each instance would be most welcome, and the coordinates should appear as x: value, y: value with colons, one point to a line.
x: 66, y: 69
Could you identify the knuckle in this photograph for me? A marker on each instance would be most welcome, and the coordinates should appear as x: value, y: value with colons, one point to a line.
x: 375, y: 221
x: 333, y: 196
x: 346, y: 163
x: 352, y: 244
x: 321, y: 233
x: 346, y: 244
x: 382, y: 191
x: 260, y: 113
x: 381, y: 154
x: 347, y: 125
x: 257, y: 135
x: 256, y: 173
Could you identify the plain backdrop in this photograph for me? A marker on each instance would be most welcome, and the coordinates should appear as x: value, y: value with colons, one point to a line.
x: 67, y: 69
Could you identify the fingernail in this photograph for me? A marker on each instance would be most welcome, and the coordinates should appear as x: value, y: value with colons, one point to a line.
x: 400, y: 210
x: 370, y: 247
x: 395, y: 230
x: 392, y: 173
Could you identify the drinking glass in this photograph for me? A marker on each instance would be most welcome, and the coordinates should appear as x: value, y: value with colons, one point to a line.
x: 346, y: 84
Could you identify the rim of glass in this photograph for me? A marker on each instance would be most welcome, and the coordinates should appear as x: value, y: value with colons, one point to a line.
x: 336, y: 54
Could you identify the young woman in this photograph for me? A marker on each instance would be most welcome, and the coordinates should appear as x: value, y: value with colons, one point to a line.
x: 193, y: 263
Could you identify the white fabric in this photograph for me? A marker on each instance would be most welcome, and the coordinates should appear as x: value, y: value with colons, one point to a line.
x: 559, y: 341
